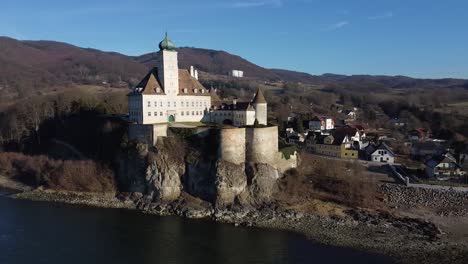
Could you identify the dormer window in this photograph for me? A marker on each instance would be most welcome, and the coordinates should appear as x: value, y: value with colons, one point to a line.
x: 158, y: 90
x: 195, y: 90
x: 203, y: 91
x: 185, y: 90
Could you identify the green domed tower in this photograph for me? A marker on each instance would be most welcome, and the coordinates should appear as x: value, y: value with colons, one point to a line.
x: 166, y: 44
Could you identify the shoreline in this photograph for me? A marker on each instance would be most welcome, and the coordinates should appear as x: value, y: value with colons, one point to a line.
x: 377, y: 233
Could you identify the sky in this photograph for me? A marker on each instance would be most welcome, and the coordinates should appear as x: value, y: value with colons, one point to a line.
x: 418, y: 38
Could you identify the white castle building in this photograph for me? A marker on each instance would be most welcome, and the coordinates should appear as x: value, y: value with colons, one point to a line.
x: 169, y: 95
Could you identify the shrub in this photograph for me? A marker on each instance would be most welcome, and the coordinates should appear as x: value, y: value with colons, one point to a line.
x: 76, y: 175
x: 332, y: 180
x: 288, y: 151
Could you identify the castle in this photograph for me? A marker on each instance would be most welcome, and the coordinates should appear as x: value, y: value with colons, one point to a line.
x: 169, y: 95
x: 172, y: 97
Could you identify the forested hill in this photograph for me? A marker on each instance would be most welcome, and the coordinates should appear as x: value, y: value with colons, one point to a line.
x: 37, y: 65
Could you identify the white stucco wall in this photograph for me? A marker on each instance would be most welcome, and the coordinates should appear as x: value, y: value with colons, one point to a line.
x: 184, y: 108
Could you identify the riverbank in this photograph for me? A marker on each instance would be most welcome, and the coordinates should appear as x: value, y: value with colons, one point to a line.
x: 408, y: 240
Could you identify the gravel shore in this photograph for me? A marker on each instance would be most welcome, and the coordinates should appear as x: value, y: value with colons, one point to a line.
x: 407, y: 240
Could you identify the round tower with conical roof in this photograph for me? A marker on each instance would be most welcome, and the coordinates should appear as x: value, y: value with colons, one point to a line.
x: 260, y: 105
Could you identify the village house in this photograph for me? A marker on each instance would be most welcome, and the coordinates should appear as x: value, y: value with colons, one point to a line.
x: 353, y: 134
x: 351, y: 114
x: 337, y: 145
x: 418, y: 134
x: 296, y: 139
x: 443, y: 167
x: 379, y: 153
x: 321, y: 123
x: 397, y: 122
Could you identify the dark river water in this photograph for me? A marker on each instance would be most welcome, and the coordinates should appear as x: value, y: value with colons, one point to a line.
x: 37, y: 232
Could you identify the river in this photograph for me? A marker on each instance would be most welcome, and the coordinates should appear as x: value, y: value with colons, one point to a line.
x: 38, y: 232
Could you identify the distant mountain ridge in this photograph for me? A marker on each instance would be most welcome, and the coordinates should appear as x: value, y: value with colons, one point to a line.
x: 27, y: 65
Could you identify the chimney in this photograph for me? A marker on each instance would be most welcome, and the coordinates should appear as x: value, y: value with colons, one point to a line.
x: 191, y: 71
x: 196, y: 74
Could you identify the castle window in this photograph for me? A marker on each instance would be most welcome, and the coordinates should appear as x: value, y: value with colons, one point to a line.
x: 168, y: 104
x: 155, y: 113
x: 188, y: 113
x: 182, y: 103
x: 160, y: 104
x: 193, y: 104
x: 161, y: 113
x: 182, y: 113
x: 175, y: 104
x: 155, y: 104
x: 193, y: 112
x: 149, y: 104
x: 149, y: 113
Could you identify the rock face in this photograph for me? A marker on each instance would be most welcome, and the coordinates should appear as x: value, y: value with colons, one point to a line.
x: 163, y: 178
x: 230, y: 182
x: 262, y: 182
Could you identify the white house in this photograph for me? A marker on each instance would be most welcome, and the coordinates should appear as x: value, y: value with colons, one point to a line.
x: 168, y: 94
x: 321, y: 123
x: 443, y: 166
x: 380, y: 153
x: 350, y: 114
x: 236, y: 73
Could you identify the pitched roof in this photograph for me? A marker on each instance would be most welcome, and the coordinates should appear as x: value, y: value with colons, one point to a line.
x: 186, y: 81
x: 383, y: 146
x: 238, y: 106
x: 447, y: 158
x: 215, y: 100
x: 150, y: 84
x: 259, y: 98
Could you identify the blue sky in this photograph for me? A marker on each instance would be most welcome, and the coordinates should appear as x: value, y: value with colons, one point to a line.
x: 420, y: 38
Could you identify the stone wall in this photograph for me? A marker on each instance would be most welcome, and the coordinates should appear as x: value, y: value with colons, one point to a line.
x: 262, y: 145
x: 232, y: 145
x: 446, y: 201
x: 147, y: 134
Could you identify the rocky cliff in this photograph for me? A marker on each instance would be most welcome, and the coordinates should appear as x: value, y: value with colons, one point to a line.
x: 162, y: 177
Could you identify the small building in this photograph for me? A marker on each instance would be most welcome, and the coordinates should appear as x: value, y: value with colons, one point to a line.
x: 328, y: 145
x: 418, y: 134
x: 351, y: 114
x: 443, y: 166
x: 296, y: 138
x: 397, y: 122
x: 380, y: 153
x: 321, y: 123
x: 236, y: 73
x: 352, y: 134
